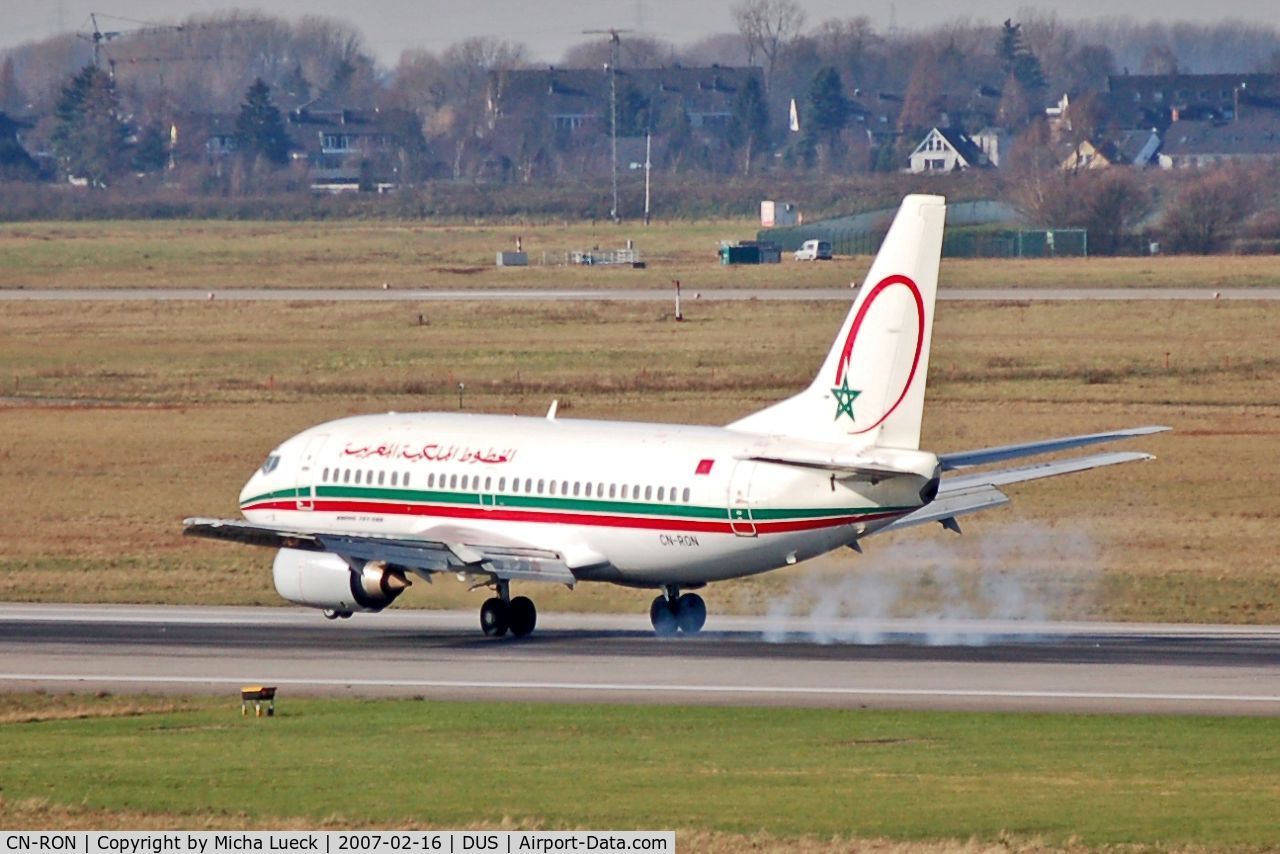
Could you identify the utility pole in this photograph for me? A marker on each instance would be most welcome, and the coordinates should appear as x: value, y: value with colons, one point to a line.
x: 614, y: 42
x: 648, y: 141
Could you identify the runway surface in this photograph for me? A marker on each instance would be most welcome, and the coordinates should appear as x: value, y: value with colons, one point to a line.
x: 975, y: 665
x: 622, y: 295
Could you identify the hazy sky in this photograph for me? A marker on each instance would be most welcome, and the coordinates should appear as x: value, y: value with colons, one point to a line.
x: 549, y: 26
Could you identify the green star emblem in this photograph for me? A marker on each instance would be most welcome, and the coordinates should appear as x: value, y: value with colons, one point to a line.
x: 845, y: 397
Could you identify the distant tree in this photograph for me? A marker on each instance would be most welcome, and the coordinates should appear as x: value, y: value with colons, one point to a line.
x: 15, y: 163
x: 11, y: 98
x: 1200, y: 217
x: 151, y: 152
x: 920, y: 101
x: 260, y: 130
x: 828, y: 111
x: 1018, y: 60
x: 633, y: 111
x: 294, y: 88
x: 89, y: 137
x: 749, y: 127
x: 1160, y: 59
x: 767, y: 27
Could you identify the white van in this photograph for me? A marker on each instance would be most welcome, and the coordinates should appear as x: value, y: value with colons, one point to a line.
x: 814, y: 250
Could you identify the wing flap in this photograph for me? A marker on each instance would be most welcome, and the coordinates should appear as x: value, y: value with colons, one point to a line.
x: 507, y: 562
x: 1000, y: 453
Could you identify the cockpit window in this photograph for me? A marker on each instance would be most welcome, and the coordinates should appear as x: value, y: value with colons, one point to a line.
x: 270, y: 465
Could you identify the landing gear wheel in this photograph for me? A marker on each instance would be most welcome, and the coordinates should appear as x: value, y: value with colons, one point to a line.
x: 333, y: 614
x: 663, y: 617
x: 691, y: 613
x: 522, y: 616
x: 494, y: 617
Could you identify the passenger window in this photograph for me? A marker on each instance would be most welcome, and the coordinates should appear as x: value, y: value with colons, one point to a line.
x: 613, y: 490
x: 394, y: 476
x: 660, y: 491
x: 487, y: 482
x: 324, y: 478
x: 346, y: 475
x: 359, y: 474
x: 382, y: 476
x: 564, y: 487
x: 553, y: 487
x: 515, y: 485
x: 686, y: 495
x: 541, y: 484
x: 588, y: 492
x: 502, y: 484
x: 528, y: 484
x: 648, y: 493
x: 431, y: 480
x: 576, y: 487
x: 406, y: 478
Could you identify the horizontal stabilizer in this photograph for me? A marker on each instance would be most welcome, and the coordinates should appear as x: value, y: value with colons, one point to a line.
x: 983, y: 456
x: 1035, y: 472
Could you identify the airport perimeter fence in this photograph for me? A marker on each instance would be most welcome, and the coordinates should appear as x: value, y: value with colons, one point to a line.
x: 960, y: 243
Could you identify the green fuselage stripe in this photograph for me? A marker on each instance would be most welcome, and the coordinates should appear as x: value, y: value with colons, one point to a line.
x: 544, y: 502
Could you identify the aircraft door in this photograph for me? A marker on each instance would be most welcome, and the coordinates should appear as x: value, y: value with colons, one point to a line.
x: 305, y: 477
x: 741, y: 521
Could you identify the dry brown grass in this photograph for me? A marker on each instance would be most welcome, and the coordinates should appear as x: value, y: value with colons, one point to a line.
x: 39, y: 707
x: 120, y: 418
x: 355, y: 254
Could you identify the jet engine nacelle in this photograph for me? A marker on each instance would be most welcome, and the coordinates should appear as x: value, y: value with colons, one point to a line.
x: 324, y: 580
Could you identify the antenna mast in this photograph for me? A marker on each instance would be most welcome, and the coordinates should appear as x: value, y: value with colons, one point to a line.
x: 614, y: 42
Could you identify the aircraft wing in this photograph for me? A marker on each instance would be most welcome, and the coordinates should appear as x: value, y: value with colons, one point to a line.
x: 968, y: 493
x: 459, y: 551
x: 1000, y: 453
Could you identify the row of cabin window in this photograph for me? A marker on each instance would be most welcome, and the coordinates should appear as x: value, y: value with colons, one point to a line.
x: 529, y: 486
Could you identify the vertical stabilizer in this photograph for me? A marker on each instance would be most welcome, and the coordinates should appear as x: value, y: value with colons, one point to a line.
x: 870, y: 390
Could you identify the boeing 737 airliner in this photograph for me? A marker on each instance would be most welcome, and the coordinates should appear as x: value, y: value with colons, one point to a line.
x: 359, y: 506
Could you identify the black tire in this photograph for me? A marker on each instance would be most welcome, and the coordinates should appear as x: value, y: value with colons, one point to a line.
x: 494, y: 617
x: 663, y: 617
x: 522, y: 616
x: 691, y: 613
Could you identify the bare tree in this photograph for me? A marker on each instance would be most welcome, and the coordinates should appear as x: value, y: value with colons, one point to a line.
x: 767, y: 27
x: 1200, y: 217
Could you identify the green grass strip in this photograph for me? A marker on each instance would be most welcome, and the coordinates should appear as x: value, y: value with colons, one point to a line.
x: 1102, y: 780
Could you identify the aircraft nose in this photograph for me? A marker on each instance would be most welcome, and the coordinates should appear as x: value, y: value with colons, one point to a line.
x: 251, y: 489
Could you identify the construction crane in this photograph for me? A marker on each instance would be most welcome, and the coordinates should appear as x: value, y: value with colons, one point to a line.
x: 99, y: 37
x: 614, y: 41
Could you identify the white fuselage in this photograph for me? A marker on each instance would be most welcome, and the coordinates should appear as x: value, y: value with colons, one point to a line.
x: 640, y: 504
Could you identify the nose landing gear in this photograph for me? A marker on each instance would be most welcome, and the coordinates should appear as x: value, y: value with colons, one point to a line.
x: 672, y: 612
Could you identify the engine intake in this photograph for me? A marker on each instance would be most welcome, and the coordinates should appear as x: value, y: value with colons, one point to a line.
x: 324, y: 580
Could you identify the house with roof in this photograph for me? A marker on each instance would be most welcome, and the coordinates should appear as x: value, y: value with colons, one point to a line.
x: 1136, y: 148
x: 1253, y: 135
x: 947, y: 150
x: 1158, y: 100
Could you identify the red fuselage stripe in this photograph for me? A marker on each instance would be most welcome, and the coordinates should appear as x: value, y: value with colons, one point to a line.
x: 506, y: 514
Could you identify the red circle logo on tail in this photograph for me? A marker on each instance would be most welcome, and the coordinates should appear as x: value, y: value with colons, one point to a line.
x: 846, y: 353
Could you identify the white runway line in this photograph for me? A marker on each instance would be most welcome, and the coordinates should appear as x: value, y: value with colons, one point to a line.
x: 619, y: 687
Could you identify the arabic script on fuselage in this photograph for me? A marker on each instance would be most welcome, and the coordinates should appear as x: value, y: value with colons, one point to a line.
x: 431, y: 452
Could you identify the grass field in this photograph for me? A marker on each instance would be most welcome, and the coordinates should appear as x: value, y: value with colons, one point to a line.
x: 355, y: 254
x: 724, y: 779
x: 118, y: 419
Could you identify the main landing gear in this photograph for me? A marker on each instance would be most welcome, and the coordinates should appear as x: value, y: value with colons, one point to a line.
x: 502, y: 614
x: 672, y: 612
